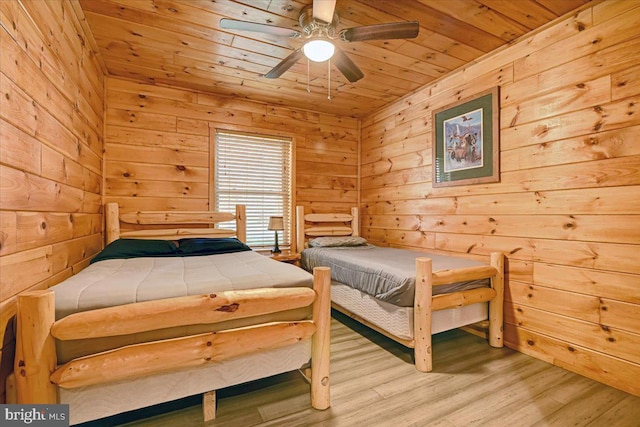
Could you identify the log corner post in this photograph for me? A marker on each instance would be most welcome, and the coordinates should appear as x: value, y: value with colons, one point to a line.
x: 321, y: 341
x: 299, y: 228
x: 35, y: 348
x: 241, y: 223
x: 496, y: 305
x: 112, y: 222
x: 422, y: 315
x: 355, y: 222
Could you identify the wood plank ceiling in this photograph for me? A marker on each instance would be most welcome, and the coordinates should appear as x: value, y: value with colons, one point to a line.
x: 180, y: 43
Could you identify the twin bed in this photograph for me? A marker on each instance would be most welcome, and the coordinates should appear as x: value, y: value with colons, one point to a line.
x: 162, y: 314
x: 405, y: 295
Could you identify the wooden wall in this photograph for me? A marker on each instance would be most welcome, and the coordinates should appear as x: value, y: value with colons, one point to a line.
x: 157, y: 147
x: 567, y: 208
x: 51, y: 132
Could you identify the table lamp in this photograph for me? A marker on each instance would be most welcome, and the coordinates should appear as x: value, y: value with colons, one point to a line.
x: 276, y: 223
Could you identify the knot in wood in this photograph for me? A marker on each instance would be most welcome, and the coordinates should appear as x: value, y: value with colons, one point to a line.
x: 230, y: 308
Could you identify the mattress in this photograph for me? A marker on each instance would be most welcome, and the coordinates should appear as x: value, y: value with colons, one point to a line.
x: 398, y: 321
x: 116, y: 282
x: 387, y: 274
x: 94, y: 402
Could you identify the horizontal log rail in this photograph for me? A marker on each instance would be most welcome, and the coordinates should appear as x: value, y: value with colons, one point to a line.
x: 447, y: 277
x: 328, y: 217
x: 160, y: 356
x: 176, y: 217
x: 180, y: 311
x: 462, y: 298
x: 328, y: 231
x: 177, y: 233
x: 167, y: 218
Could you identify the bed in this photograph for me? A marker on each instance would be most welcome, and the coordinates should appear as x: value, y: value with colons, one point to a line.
x: 150, y: 321
x: 405, y: 295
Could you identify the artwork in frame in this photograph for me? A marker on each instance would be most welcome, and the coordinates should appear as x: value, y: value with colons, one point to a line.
x: 466, y: 141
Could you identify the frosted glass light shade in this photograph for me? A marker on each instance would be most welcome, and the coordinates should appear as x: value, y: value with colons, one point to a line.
x: 318, y: 50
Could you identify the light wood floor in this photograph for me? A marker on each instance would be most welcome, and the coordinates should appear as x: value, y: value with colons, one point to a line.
x: 374, y: 383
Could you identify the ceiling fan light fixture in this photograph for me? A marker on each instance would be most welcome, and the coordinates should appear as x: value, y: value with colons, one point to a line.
x: 318, y: 50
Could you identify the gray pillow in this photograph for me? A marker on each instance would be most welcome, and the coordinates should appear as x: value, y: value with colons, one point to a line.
x: 336, y: 241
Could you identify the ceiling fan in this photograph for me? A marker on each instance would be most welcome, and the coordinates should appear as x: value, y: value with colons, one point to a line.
x: 318, y: 22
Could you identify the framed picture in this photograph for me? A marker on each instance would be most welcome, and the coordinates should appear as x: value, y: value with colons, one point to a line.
x: 466, y: 141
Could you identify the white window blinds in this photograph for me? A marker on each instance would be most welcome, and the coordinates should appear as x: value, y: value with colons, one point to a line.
x: 254, y: 170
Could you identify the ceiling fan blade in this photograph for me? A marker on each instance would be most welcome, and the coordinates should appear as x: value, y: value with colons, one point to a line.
x: 346, y: 66
x: 323, y: 10
x: 393, y: 30
x: 285, y: 64
x: 234, y: 24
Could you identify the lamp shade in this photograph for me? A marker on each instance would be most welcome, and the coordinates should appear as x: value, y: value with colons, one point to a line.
x: 318, y: 50
x: 276, y: 223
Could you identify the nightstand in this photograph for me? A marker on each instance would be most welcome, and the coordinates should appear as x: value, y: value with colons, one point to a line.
x: 286, y: 256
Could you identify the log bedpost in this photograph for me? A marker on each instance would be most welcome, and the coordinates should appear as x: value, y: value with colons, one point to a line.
x: 422, y: 315
x: 496, y: 307
x: 241, y: 223
x: 320, y: 344
x: 35, y: 348
x: 355, y: 222
x: 112, y: 222
x: 299, y: 228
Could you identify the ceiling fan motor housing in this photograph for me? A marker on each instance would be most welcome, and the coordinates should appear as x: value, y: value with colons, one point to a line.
x: 316, y: 28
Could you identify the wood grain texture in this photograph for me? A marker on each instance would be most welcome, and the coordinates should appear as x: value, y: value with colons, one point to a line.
x: 51, y: 126
x: 190, y: 310
x: 468, y: 385
x: 188, y: 351
x: 565, y: 204
x: 181, y: 44
x: 150, y: 166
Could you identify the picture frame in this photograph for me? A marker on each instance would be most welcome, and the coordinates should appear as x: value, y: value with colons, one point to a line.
x: 466, y: 141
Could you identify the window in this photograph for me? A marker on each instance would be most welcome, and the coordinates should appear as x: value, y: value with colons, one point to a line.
x: 254, y: 170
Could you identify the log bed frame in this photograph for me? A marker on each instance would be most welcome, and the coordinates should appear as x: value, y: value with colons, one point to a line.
x: 316, y: 225
x: 37, y: 375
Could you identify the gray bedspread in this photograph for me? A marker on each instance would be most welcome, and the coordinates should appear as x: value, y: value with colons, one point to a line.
x: 124, y: 281
x: 384, y: 273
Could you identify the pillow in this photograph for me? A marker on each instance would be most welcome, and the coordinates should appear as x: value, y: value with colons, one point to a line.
x: 336, y: 241
x: 204, y: 246
x: 136, y: 248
